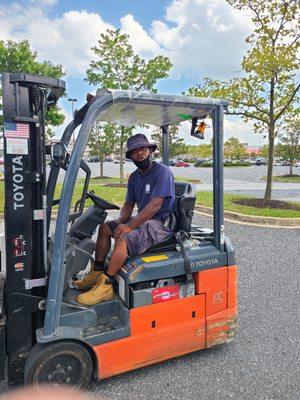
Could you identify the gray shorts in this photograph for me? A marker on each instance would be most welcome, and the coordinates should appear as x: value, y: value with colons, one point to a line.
x: 146, y: 235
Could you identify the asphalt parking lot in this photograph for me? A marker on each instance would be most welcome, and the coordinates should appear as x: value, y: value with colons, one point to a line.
x: 263, y: 361
x: 238, y: 180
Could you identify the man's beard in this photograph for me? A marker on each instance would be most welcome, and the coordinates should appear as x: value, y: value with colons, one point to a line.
x: 143, y: 164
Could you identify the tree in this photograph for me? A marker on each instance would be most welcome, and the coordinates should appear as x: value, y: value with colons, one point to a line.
x: 289, y: 146
x: 192, y: 151
x: 268, y: 89
x: 18, y: 57
x: 118, y: 67
x: 176, y: 144
x: 233, y: 148
x: 264, y: 151
x: 206, y: 150
x: 201, y: 151
x: 102, y: 142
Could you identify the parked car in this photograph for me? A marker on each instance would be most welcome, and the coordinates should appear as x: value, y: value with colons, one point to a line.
x: 260, y: 161
x: 199, y: 162
x: 297, y: 165
x: 172, y: 163
x: 182, y: 164
x: 277, y: 163
x: 108, y: 159
x: 118, y: 162
x: 94, y: 159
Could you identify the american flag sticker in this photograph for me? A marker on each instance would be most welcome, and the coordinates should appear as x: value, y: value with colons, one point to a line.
x: 16, y: 130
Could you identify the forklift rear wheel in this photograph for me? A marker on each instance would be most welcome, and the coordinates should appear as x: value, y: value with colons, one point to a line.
x: 60, y: 363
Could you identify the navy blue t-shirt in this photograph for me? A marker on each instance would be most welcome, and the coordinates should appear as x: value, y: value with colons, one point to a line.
x: 157, y: 182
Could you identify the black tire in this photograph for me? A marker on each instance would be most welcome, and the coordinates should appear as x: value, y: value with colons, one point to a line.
x: 63, y: 362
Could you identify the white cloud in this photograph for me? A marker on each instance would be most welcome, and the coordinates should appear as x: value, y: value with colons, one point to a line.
x: 241, y: 130
x: 141, y: 42
x: 67, y: 39
x: 44, y: 2
x: 203, y: 38
x: 232, y: 127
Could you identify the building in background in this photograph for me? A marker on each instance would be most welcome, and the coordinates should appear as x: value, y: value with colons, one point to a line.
x: 252, y: 151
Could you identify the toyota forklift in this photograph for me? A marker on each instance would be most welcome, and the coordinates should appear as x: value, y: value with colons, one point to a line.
x: 178, y: 297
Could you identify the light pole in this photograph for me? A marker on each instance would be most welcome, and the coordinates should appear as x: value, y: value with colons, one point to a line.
x: 73, y: 101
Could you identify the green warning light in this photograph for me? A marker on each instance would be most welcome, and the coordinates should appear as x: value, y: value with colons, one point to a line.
x: 185, y: 116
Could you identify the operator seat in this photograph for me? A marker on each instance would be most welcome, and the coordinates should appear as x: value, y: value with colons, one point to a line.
x: 185, y: 198
x: 181, y: 215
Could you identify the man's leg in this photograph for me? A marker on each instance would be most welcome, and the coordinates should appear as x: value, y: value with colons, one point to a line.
x: 102, y: 248
x: 118, y: 257
x: 103, y: 243
x: 103, y: 290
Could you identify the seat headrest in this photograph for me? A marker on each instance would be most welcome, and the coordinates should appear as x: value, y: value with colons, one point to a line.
x: 185, y: 189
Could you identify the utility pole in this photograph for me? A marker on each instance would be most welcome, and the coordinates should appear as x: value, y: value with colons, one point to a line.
x: 73, y: 101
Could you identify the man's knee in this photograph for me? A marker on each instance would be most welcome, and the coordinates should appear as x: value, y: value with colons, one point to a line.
x: 120, y: 241
x: 105, y: 230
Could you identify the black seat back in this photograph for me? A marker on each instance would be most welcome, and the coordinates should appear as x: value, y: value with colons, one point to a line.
x: 185, y: 198
x: 181, y: 217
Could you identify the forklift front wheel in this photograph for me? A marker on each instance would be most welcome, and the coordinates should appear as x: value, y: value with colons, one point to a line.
x: 60, y: 363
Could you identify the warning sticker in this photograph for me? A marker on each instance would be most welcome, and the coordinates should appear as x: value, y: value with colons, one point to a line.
x: 165, y: 293
x: 16, y: 146
x: 159, y: 257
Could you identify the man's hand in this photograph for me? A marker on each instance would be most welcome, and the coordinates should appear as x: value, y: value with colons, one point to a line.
x: 120, y: 230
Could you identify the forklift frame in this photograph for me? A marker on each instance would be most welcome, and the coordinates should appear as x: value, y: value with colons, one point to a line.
x: 107, y: 99
x: 26, y: 98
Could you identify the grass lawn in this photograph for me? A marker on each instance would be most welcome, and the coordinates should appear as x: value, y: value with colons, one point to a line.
x: 285, y: 178
x: 206, y: 199
x: 105, y: 179
x: 117, y: 196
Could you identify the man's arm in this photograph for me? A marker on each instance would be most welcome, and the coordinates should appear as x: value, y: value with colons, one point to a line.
x: 126, y: 212
x: 147, y: 213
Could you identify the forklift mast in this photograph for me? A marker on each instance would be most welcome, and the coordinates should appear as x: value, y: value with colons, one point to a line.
x: 25, y: 101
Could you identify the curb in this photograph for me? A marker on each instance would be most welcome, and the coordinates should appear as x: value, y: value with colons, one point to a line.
x: 251, y: 219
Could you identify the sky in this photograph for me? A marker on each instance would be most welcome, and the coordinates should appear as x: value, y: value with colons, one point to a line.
x: 202, y: 39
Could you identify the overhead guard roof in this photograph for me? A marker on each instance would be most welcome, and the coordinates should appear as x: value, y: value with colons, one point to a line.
x: 136, y: 108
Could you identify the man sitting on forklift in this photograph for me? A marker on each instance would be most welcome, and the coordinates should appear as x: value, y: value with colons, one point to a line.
x: 151, y: 187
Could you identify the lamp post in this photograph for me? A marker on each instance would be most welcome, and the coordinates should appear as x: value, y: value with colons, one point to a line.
x: 73, y: 101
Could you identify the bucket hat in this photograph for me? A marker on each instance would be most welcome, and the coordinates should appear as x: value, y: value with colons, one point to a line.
x: 136, y: 141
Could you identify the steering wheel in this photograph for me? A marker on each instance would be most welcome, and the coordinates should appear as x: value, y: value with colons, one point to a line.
x: 98, y: 201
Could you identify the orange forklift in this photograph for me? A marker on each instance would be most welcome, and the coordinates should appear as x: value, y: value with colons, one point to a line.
x: 178, y: 297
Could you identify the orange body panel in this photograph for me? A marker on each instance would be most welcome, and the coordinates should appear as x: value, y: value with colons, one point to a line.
x: 214, y: 283
x: 158, y: 332
x: 232, y: 286
x: 221, y: 327
x: 166, y: 330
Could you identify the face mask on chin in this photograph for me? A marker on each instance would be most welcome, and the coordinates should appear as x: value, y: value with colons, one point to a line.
x: 143, y: 164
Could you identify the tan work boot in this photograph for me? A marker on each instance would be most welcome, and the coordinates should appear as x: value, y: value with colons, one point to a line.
x: 102, y: 291
x: 88, y: 281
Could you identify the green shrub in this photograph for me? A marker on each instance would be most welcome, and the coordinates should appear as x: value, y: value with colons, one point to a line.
x: 226, y: 164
